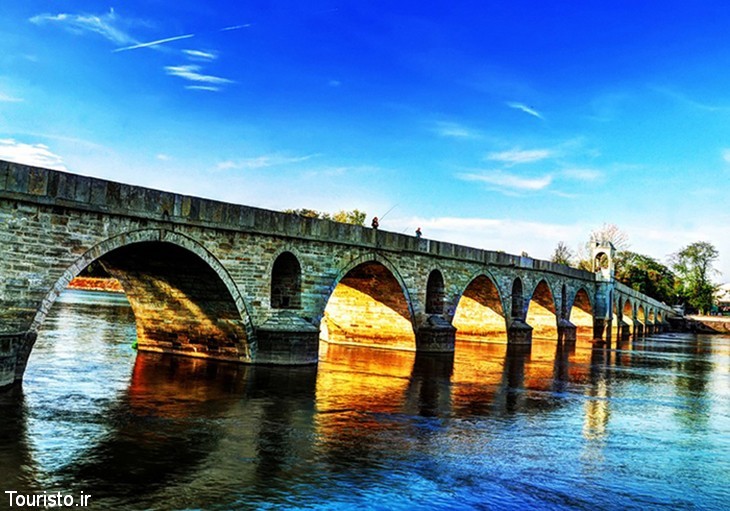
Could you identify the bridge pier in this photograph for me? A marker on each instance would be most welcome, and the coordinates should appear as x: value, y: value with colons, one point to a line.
x: 519, y: 333
x: 601, y: 329
x: 14, y: 352
x: 286, y: 339
x: 638, y: 329
x: 566, y: 331
x: 435, y: 335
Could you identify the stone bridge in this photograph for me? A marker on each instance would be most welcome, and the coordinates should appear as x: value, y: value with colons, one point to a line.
x: 217, y: 280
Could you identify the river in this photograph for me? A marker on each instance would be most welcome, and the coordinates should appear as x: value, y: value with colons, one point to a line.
x: 644, y: 425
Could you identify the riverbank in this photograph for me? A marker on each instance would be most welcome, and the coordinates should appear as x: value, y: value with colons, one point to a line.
x: 702, y: 324
x: 107, y: 285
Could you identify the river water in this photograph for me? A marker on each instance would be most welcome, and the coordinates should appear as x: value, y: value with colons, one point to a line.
x: 643, y: 426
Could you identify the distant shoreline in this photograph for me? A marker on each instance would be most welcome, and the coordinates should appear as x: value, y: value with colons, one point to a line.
x: 106, y: 285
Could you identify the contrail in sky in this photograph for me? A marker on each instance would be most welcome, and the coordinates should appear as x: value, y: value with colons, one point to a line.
x: 155, y: 43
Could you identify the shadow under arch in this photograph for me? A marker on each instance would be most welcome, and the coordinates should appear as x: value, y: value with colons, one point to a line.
x: 479, y: 311
x: 369, y: 304
x: 168, y: 276
x: 541, y: 313
x: 627, y: 320
x: 581, y: 313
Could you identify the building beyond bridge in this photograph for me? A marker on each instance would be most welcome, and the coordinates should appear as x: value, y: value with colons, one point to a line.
x: 216, y: 280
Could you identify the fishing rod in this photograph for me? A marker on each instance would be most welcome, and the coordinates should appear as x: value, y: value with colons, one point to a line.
x: 386, y: 213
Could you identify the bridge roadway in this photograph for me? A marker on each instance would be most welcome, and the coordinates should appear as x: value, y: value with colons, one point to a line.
x: 216, y: 280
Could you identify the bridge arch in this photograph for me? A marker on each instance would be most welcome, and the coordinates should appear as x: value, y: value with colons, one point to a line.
x: 581, y: 312
x: 479, y: 313
x: 211, y: 316
x: 369, y: 304
x: 541, y: 312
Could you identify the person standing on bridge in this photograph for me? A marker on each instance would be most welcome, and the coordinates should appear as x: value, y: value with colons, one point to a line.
x: 375, y: 224
x: 418, y: 233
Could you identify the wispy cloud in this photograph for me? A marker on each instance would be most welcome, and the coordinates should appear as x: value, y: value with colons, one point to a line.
x: 208, y: 88
x: 582, y: 174
x: 201, y: 55
x: 30, y: 154
x: 154, y: 43
x: 105, y: 25
x: 524, y: 108
x: 516, y: 156
x: 726, y: 155
x: 4, y: 98
x: 235, y: 27
x: 260, y: 162
x: 454, y: 130
x: 502, y: 179
x: 191, y: 72
x: 686, y: 100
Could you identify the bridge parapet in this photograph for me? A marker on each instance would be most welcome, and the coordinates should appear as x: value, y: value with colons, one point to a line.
x: 56, y: 188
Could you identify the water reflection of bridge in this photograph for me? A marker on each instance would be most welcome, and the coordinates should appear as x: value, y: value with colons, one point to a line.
x: 206, y: 424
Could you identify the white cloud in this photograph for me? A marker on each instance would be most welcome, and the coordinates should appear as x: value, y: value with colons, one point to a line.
x: 512, y: 236
x: 507, y: 180
x: 261, y: 162
x: 201, y: 55
x: 580, y: 174
x: 454, y: 130
x: 191, y: 72
x: 521, y: 156
x: 525, y: 108
x: 726, y: 155
x: 154, y: 43
x: 334, y: 83
x: 163, y: 157
x: 38, y: 155
x: 105, y: 25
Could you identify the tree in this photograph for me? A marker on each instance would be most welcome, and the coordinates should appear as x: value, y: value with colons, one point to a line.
x: 355, y: 217
x: 694, y: 265
x: 562, y: 254
x: 646, y: 275
x: 610, y: 232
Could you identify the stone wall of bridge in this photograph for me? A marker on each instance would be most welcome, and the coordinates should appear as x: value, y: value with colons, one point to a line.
x: 199, y: 272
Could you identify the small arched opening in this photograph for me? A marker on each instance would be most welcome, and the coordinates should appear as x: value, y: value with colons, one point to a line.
x: 286, y: 282
x: 518, y: 301
x: 435, y: 293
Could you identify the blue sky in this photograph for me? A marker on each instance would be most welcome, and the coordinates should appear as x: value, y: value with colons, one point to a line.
x: 503, y: 125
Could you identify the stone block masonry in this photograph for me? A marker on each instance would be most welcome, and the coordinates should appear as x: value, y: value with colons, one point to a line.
x: 203, y: 279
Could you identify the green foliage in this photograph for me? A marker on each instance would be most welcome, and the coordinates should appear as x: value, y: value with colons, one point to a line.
x: 646, y: 275
x: 694, y: 265
x: 355, y: 217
